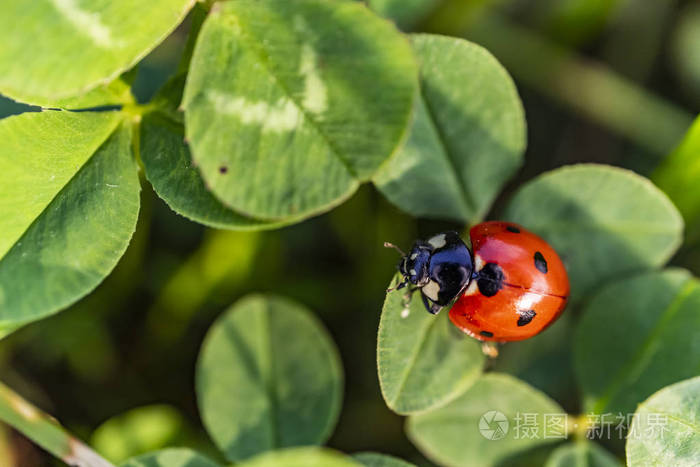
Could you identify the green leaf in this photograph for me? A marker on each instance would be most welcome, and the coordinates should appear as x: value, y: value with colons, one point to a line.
x: 532, y: 360
x: 69, y: 205
x: 371, y: 459
x: 582, y: 454
x: 423, y: 360
x: 666, y: 428
x: 678, y: 175
x: 77, y: 45
x: 468, y: 134
x: 169, y: 168
x: 41, y: 153
x: 268, y: 377
x: 173, y: 457
x: 138, y: 431
x: 468, y: 433
x: 604, y: 222
x: 289, y: 105
x: 635, y: 337
x: 301, y: 457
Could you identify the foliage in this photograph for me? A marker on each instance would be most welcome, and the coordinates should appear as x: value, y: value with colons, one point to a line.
x: 605, y: 222
x: 72, y: 199
x: 285, y: 120
x: 445, y: 436
x: 678, y: 441
x: 620, y: 366
x: 168, y: 166
x: 77, y: 47
x: 138, y: 431
x: 268, y: 377
x: 422, y: 361
x: 582, y: 454
x: 371, y: 459
x: 174, y: 457
x: 467, y: 138
x: 301, y: 457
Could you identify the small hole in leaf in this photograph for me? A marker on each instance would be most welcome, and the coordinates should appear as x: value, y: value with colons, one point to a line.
x: 223, y: 169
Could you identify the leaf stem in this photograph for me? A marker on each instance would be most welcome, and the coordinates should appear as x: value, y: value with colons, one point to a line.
x: 206, y: 4
x: 136, y: 141
x: 134, y: 113
x: 45, y: 431
x: 579, y: 426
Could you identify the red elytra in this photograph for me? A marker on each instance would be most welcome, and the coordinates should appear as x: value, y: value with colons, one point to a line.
x: 521, y: 286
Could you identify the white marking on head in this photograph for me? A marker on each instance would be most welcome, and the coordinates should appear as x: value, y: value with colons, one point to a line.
x: 431, y: 290
x: 438, y: 241
x: 414, y: 256
x: 478, y: 263
x: 472, y: 289
x: 87, y: 22
x: 279, y: 116
x: 412, y: 272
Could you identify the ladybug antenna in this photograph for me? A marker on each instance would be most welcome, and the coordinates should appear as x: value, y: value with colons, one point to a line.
x: 391, y: 245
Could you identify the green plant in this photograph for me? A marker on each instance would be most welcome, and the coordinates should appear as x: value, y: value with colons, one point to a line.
x: 278, y: 112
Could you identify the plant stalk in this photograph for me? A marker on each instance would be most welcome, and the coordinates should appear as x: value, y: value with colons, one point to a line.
x: 45, y: 431
x: 591, y: 88
x: 588, y: 87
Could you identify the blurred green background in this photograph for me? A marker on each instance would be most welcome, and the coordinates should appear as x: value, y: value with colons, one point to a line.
x: 611, y: 81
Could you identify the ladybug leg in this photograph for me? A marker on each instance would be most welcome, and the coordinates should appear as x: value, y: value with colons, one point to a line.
x: 433, y: 308
x: 490, y: 349
x: 408, y: 295
x: 400, y: 286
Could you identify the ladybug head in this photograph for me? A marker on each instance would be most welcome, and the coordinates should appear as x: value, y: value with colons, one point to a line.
x: 414, y: 265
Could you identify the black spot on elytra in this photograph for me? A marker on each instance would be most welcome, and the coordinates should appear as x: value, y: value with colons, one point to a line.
x: 223, y: 169
x: 525, y: 317
x: 540, y: 263
x: 486, y: 334
x: 490, y: 279
x: 510, y: 228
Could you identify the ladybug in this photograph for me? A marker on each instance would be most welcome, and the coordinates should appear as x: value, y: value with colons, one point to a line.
x: 509, y: 287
